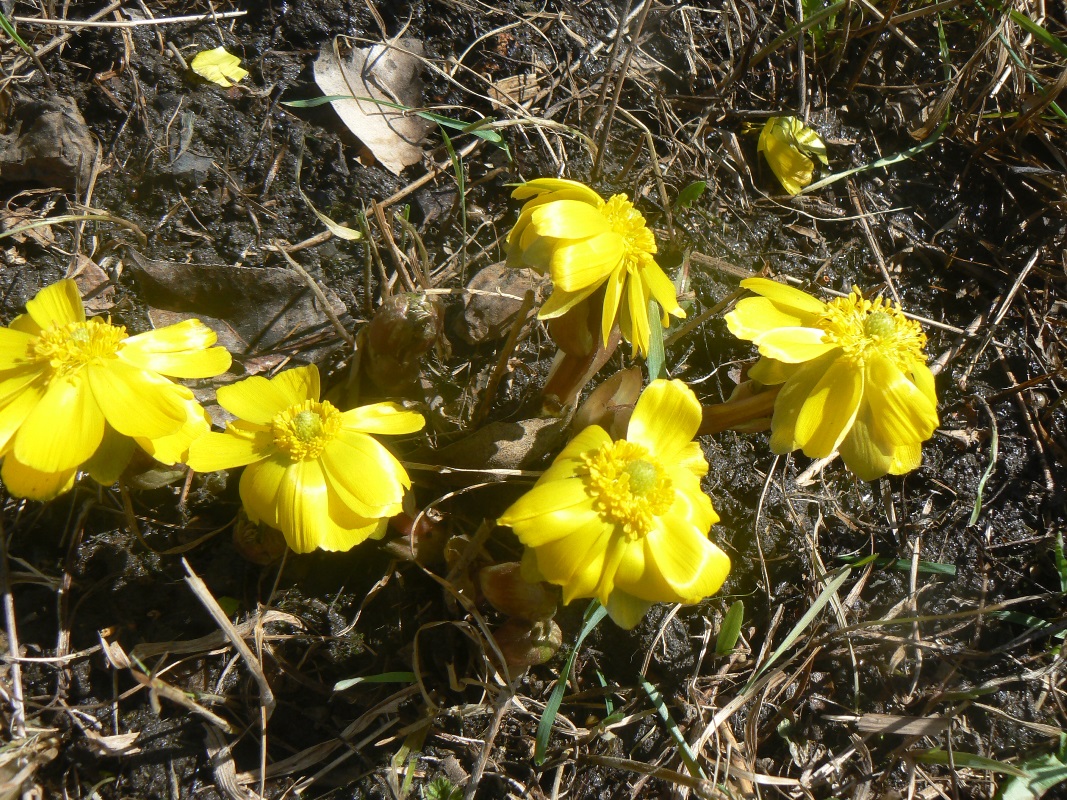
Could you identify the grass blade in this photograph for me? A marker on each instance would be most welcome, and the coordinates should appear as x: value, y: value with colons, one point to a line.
x: 684, y: 750
x: 731, y: 629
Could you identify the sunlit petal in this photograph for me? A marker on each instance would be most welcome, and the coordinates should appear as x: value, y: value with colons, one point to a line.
x: 137, y: 402
x: 63, y: 429
x: 793, y: 345
x: 260, y: 484
x: 568, y: 219
x: 389, y: 418
x: 23, y: 481
x: 665, y: 419
x: 57, y: 304
x: 830, y: 409
x: 365, y: 475
x: 577, y: 265
x: 15, y: 349
x: 183, y: 350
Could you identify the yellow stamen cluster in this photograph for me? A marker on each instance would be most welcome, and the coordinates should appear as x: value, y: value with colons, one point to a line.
x: 302, y: 431
x: 629, y: 223
x: 628, y: 486
x: 75, y: 344
x: 862, y: 327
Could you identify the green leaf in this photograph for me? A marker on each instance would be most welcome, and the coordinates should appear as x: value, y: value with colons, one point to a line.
x: 684, y: 750
x: 1061, y: 561
x: 690, y: 194
x: 966, y: 761
x: 1042, y: 773
x: 655, y: 358
x: 593, y: 614
x: 1027, y: 24
x: 730, y: 630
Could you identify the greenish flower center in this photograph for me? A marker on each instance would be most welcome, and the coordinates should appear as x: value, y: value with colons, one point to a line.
x: 863, y: 327
x: 70, y: 347
x: 304, y: 430
x: 629, y: 488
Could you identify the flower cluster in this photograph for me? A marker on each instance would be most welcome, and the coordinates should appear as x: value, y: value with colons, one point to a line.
x: 597, y: 251
x: 853, y: 374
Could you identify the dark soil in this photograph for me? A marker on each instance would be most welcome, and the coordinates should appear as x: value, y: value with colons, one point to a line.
x: 953, y: 622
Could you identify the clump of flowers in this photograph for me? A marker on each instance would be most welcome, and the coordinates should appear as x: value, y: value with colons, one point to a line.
x: 853, y: 374
x: 313, y: 472
x: 78, y: 393
x: 788, y: 144
x: 625, y: 521
x: 597, y: 251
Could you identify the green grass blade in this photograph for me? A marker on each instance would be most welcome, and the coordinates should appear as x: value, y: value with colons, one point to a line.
x: 684, y: 750
x: 966, y: 761
x: 1042, y: 773
x: 656, y: 356
x: 593, y: 615
x: 1038, y: 32
x: 994, y: 450
x: 1061, y: 561
x: 730, y: 631
x: 384, y: 677
x: 9, y: 29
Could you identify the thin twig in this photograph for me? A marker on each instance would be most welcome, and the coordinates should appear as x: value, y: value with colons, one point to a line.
x: 132, y: 23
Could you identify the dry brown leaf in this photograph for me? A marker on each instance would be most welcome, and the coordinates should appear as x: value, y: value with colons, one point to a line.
x: 385, y: 72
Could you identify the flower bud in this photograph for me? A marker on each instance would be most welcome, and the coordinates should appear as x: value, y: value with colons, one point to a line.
x: 506, y: 590
x: 527, y: 644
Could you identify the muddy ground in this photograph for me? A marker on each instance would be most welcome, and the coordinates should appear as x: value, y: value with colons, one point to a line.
x: 942, y: 651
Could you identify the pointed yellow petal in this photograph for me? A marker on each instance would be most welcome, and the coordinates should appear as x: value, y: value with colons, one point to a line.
x: 23, y: 481
x: 137, y: 403
x: 57, y: 304
x: 793, y: 345
x: 183, y: 350
x: 580, y: 264
x: 560, y: 302
x: 789, y: 300
x: 791, y: 400
x: 665, y: 419
x: 830, y: 409
x: 662, y: 289
x: 378, y: 418
x: 612, y: 300
x: 234, y: 448
x: 63, y: 429
x: 571, y: 189
x: 341, y: 530
x: 771, y: 372
x: 634, y: 323
x: 906, y: 457
x: 303, y: 506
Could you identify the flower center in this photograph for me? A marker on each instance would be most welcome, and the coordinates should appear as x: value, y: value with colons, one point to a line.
x: 628, y: 486
x: 638, y: 242
x: 303, y: 431
x: 73, y: 345
x: 864, y: 327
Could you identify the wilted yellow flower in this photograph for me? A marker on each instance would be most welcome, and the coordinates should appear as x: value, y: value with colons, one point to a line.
x: 589, y: 244
x: 787, y: 144
x: 626, y: 521
x: 76, y: 393
x: 313, y: 472
x: 854, y: 374
x: 218, y: 66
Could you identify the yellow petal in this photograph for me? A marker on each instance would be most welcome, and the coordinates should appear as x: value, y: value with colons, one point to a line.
x: 612, y: 300
x: 111, y: 457
x: 625, y: 610
x: 15, y: 349
x: 23, y: 481
x: 771, y: 372
x: 303, y: 506
x: 923, y: 378
x: 576, y: 562
x: 789, y: 299
x: 378, y: 418
x: 662, y: 289
x: 830, y: 409
x: 665, y: 419
x: 18, y: 396
x: 259, y: 400
x: 572, y: 189
x: 754, y: 316
x: 549, y: 511
x: 63, y: 429
x: 793, y: 345
x: 681, y: 564
x: 57, y: 304
x: 181, y: 351
x: 260, y: 484
x: 342, y: 529
x: 234, y: 448
x: 778, y: 143
x: 791, y: 400
x: 24, y: 323
x: 577, y: 265
x: 365, y: 475
x: 137, y: 403
x: 861, y: 453
x: 901, y: 413
x: 906, y: 457
x: 634, y: 320
x: 568, y: 219
x: 560, y: 302
x: 174, y: 447
x: 218, y: 66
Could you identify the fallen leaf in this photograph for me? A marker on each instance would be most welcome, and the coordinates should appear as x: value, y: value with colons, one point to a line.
x: 218, y: 66
x: 369, y: 83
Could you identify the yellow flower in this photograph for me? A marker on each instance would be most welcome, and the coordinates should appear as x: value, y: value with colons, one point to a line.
x: 854, y: 374
x: 77, y: 393
x: 312, y: 472
x: 626, y: 521
x: 787, y: 142
x: 587, y: 245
